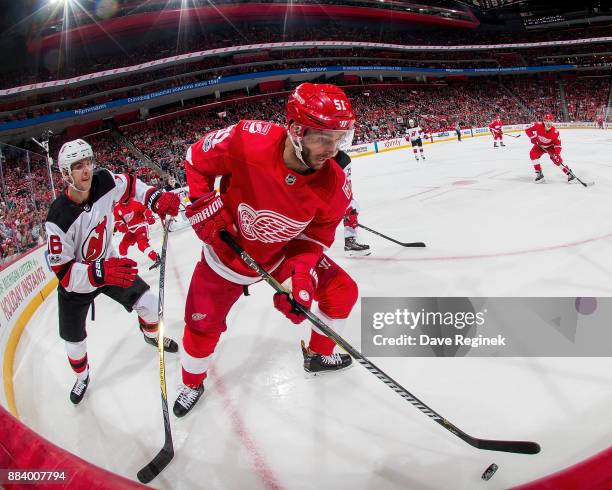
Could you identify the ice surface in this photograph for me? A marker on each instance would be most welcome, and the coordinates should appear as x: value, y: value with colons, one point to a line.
x: 490, y: 231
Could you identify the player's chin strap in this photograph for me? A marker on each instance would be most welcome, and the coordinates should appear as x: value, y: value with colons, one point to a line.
x: 297, y: 146
x: 70, y: 181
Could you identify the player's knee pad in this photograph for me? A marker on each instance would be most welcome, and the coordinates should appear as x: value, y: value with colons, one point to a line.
x: 535, y: 154
x: 142, y: 245
x: 337, y: 296
x: 200, y: 343
x: 200, y: 322
x: 556, y: 158
x: 147, y: 307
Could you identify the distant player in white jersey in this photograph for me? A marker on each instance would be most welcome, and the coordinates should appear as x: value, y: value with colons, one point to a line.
x: 352, y: 247
x: 79, y: 228
x: 414, y: 135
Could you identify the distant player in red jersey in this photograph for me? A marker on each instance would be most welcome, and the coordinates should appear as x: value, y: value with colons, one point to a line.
x: 496, y: 129
x: 545, y: 139
x: 133, y: 219
x: 282, y: 196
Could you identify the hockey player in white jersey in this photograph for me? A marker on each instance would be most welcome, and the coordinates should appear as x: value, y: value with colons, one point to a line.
x: 79, y: 228
x: 414, y: 135
x: 352, y: 247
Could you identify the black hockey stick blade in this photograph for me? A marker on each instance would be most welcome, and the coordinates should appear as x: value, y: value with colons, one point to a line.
x: 585, y: 184
x: 520, y: 447
x: 403, y: 244
x: 157, y: 465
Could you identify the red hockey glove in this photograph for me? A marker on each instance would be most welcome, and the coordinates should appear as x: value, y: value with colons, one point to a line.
x: 121, y: 227
x: 151, y: 220
x: 113, y: 271
x: 303, y: 282
x: 350, y: 218
x: 164, y: 203
x: 208, y: 217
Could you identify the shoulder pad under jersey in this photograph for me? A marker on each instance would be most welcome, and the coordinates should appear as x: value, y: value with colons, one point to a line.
x: 342, y: 159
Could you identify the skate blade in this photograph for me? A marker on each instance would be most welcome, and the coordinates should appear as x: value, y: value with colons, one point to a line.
x: 542, y: 181
x: 310, y: 375
x: 357, y: 253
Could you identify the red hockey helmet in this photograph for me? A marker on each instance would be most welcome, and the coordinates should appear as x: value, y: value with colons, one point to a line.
x: 548, y: 120
x: 321, y: 107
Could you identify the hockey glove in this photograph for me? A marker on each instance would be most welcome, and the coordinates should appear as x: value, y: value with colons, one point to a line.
x: 350, y: 218
x: 208, y: 216
x: 113, y: 271
x: 121, y: 227
x: 151, y: 220
x: 164, y: 203
x: 302, y: 284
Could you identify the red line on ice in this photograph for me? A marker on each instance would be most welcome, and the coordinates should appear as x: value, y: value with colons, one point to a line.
x: 263, y: 470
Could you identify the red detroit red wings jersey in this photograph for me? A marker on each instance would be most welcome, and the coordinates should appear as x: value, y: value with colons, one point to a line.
x: 271, y: 205
x: 496, y: 126
x: 546, y: 139
x: 132, y: 213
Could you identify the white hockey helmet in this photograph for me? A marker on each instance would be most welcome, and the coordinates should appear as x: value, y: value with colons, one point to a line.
x: 72, y: 152
x: 411, y: 122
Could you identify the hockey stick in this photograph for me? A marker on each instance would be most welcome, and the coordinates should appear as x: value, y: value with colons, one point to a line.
x: 403, y: 244
x: 512, y: 135
x: 585, y: 184
x: 521, y: 447
x: 165, y: 455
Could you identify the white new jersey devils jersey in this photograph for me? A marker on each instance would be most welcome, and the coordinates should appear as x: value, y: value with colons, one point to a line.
x: 414, y: 133
x: 78, y: 234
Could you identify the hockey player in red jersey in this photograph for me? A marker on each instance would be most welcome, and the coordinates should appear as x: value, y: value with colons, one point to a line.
x: 545, y: 139
x: 79, y: 226
x: 133, y: 219
x: 282, y: 197
x: 496, y: 129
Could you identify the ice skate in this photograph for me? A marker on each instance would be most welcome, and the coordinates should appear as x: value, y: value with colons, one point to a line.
x: 78, y: 390
x: 317, y: 364
x: 354, y: 249
x: 186, y: 400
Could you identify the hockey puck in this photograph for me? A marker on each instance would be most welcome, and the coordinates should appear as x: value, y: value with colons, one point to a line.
x: 489, y: 472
